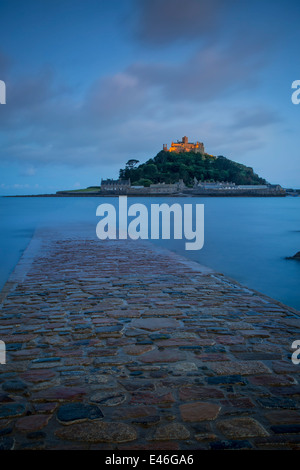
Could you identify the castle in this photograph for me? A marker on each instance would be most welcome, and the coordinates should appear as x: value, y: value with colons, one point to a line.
x: 185, y: 146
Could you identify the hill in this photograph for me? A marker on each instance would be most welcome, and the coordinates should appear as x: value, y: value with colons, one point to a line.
x: 170, y: 167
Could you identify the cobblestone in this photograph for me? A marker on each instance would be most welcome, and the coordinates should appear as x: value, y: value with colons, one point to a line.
x: 122, y: 345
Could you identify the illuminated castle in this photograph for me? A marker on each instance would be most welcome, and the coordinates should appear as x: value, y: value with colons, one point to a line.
x: 185, y: 146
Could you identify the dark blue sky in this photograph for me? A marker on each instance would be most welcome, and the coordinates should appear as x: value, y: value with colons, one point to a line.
x: 91, y: 84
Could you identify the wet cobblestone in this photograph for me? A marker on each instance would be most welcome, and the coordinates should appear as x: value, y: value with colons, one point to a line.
x: 121, y: 345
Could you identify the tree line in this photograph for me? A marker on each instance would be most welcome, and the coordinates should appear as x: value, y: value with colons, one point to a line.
x: 170, y: 167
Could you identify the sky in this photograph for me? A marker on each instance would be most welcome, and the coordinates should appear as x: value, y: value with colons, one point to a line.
x: 91, y: 84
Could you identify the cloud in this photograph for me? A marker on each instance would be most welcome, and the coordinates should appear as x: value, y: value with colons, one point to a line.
x: 209, y: 74
x: 115, y: 97
x: 161, y: 22
x: 5, y: 65
x: 255, y: 117
x: 135, y: 109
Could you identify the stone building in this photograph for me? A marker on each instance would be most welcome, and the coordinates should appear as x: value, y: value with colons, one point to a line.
x: 213, y: 184
x: 115, y: 185
x: 165, y: 188
x: 185, y: 146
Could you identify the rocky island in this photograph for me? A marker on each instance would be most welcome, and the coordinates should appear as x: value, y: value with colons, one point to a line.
x: 185, y: 169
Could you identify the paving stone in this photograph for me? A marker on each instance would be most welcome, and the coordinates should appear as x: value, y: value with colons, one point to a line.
x: 32, y: 423
x: 109, y: 398
x: 133, y: 412
x: 230, y: 445
x: 239, y: 325
x: 110, y: 331
x: 238, y: 428
x: 106, y: 381
x: 172, y: 431
x: 254, y: 333
x: 39, y: 375
x: 277, y: 402
x: 230, y: 339
x: 14, y: 386
x: 46, y: 359
x: 286, y: 416
x: 282, y: 441
x: 45, y: 407
x: 5, y: 398
x: 153, y: 324
x: 242, y: 402
x: 283, y: 367
x: 257, y: 356
x: 160, y: 445
x: 147, y: 421
x: 184, y: 367
x: 14, y: 346
x: 198, y: 392
x: 141, y: 385
x: 267, y: 348
x: 292, y: 390
x: 134, y: 333
x: 98, y: 432
x: 110, y: 361
x: 100, y: 351
x: 21, y: 338
x: 162, y: 356
x: 12, y: 410
x: 199, y: 411
x: 286, y: 429
x: 24, y: 354
x: 271, y: 380
x: 59, y: 394
x: 227, y: 379
x: 205, y: 437
x: 239, y: 367
x: 213, y: 357
x: 149, y: 398
x: 75, y: 412
x: 159, y: 336
x: 137, y: 350
x: 184, y: 343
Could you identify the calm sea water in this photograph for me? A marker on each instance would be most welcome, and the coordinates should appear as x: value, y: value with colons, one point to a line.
x: 245, y: 238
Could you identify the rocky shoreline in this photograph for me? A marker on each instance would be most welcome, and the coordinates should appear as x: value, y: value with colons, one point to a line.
x: 139, y: 194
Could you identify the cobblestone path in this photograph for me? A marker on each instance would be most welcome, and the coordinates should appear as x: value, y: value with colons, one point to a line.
x: 119, y: 345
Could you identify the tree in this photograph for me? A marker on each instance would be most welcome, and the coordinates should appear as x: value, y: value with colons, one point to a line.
x: 150, y: 171
x: 131, y: 164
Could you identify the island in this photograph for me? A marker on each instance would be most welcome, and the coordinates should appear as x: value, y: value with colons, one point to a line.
x: 183, y: 169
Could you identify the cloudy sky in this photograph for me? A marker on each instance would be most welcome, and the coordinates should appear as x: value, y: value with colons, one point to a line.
x: 93, y: 83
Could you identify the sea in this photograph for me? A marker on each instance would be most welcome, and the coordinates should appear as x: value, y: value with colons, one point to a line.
x: 247, y: 239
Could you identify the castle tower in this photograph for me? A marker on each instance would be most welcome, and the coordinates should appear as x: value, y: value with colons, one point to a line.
x: 185, y: 140
x: 165, y: 147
